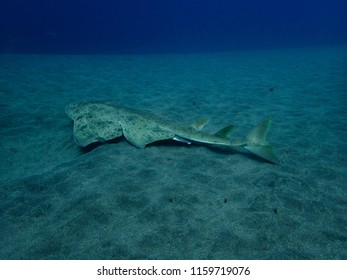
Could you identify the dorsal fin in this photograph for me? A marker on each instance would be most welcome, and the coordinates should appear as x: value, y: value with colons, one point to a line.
x: 225, y: 132
x: 200, y: 123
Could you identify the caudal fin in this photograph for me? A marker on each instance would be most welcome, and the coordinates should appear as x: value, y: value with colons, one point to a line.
x: 256, y: 141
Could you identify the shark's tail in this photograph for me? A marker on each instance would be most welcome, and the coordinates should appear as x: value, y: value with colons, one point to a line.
x: 256, y: 141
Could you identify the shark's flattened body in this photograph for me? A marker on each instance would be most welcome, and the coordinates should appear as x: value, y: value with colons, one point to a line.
x: 102, y: 121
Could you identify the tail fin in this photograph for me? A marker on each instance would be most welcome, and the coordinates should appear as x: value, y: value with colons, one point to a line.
x: 256, y: 141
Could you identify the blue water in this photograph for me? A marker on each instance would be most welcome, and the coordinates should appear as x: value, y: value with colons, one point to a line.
x: 152, y: 26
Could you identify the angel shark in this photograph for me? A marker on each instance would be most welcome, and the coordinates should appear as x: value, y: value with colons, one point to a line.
x: 102, y: 121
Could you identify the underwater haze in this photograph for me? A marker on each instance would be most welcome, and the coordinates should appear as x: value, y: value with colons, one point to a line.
x: 83, y: 179
x: 152, y: 26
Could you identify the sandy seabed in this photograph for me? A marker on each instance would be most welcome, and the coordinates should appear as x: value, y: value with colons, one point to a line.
x: 170, y: 200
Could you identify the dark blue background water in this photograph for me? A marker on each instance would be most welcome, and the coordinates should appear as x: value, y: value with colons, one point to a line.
x: 128, y: 26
